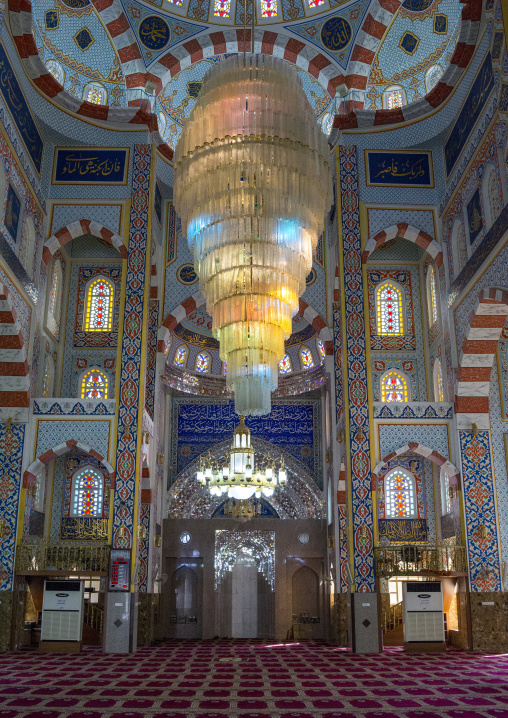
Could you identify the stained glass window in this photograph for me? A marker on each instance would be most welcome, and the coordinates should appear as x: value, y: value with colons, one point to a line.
x: 94, y: 385
x: 180, y: 358
x: 285, y: 364
x: 432, y: 76
x: 446, y: 501
x: 321, y: 348
x: 389, y: 309
x: 438, y: 381
x: 222, y: 8
x: 306, y: 359
x: 203, y: 362
x: 56, y: 70
x: 224, y: 368
x: 316, y: 3
x: 87, y: 492
x: 399, y: 494
x: 431, y: 296
x: 55, y: 297
x: 268, y: 8
x: 393, y: 387
x: 394, y: 97
x: 96, y: 94
x: 99, y: 296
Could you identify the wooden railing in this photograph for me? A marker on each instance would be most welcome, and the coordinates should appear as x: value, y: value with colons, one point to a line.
x: 48, y: 557
x: 391, y: 617
x: 418, y: 559
x: 94, y: 616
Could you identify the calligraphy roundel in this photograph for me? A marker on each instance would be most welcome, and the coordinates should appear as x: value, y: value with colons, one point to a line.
x: 311, y: 277
x: 336, y: 33
x: 186, y: 274
x: 154, y: 32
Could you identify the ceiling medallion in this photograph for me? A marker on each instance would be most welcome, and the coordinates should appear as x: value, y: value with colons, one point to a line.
x: 252, y: 186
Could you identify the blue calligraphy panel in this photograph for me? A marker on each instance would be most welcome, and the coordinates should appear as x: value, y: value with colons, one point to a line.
x: 12, y: 212
x: 399, y: 169
x: 474, y: 216
x: 18, y: 107
x: 95, y: 165
x: 293, y: 426
x: 336, y: 34
x: 469, y: 114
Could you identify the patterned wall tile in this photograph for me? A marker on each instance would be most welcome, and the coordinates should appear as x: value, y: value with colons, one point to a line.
x: 393, y: 436
x: 380, y: 219
x: 53, y: 432
x: 11, y: 455
x: 64, y: 214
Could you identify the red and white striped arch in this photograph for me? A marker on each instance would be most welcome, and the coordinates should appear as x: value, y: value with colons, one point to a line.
x: 404, y: 231
x: 14, y: 372
x: 416, y: 448
x: 30, y: 475
x: 198, y: 300
x: 78, y: 229
x: 358, y: 118
x: 477, y: 357
x: 20, y: 21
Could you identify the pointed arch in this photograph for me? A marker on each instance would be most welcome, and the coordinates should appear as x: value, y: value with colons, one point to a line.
x: 400, y: 494
x: 99, y: 304
x: 405, y: 231
x: 30, y: 475
x: 390, y: 308
x: 78, y: 229
x: 421, y: 450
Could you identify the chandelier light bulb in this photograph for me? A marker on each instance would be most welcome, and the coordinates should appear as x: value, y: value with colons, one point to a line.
x: 252, y: 187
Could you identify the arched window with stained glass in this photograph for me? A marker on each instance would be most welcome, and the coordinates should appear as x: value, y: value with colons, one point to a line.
x: 431, y: 295
x: 400, y: 494
x: 432, y: 77
x: 224, y: 368
x: 222, y: 8
x: 203, y: 363
x: 285, y: 365
x: 180, y: 356
x: 268, y: 8
x: 446, y: 500
x: 94, y: 384
x: 394, y: 387
x: 55, y: 297
x: 56, y: 70
x: 306, y: 358
x: 95, y: 93
x: 438, y: 381
x: 87, y: 492
x: 394, y: 97
x: 321, y: 348
x: 99, y: 297
x: 390, y: 309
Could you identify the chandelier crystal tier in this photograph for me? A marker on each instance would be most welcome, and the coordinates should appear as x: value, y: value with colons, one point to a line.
x: 252, y: 186
x: 240, y: 477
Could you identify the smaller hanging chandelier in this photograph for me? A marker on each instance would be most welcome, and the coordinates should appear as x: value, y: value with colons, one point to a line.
x: 240, y: 477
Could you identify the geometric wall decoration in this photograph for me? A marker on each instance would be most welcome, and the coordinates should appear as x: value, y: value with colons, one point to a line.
x: 11, y: 454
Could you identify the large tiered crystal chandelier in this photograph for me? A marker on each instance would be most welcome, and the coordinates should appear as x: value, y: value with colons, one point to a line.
x: 252, y: 186
x: 240, y: 477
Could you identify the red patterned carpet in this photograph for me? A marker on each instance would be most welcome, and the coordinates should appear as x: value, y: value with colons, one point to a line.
x: 251, y: 679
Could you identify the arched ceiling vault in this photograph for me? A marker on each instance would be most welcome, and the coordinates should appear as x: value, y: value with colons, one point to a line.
x: 336, y: 47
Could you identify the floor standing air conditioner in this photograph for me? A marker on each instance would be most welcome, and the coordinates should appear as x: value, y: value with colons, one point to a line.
x: 423, y: 612
x: 62, y: 611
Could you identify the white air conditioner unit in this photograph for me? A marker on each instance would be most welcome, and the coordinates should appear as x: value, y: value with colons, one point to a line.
x: 62, y: 611
x: 423, y: 612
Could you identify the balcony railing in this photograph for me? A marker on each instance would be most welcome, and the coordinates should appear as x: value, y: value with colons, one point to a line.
x: 48, y: 557
x: 415, y: 560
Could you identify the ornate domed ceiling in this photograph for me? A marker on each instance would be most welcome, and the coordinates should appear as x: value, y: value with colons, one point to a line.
x: 112, y: 44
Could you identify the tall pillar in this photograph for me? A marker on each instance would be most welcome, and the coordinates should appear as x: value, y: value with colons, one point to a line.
x: 121, y: 618
x: 352, y: 278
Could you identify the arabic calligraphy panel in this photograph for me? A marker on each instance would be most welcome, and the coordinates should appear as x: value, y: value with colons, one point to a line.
x: 91, y: 165
x: 398, y: 169
x: 336, y: 34
x: 154, y: 32
x: 404, y: 530
x: 18, y: 107
x: 469, y: 114
x: 12, y: 213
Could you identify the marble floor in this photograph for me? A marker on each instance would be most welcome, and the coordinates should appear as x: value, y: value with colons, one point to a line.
x: 251, y: 679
